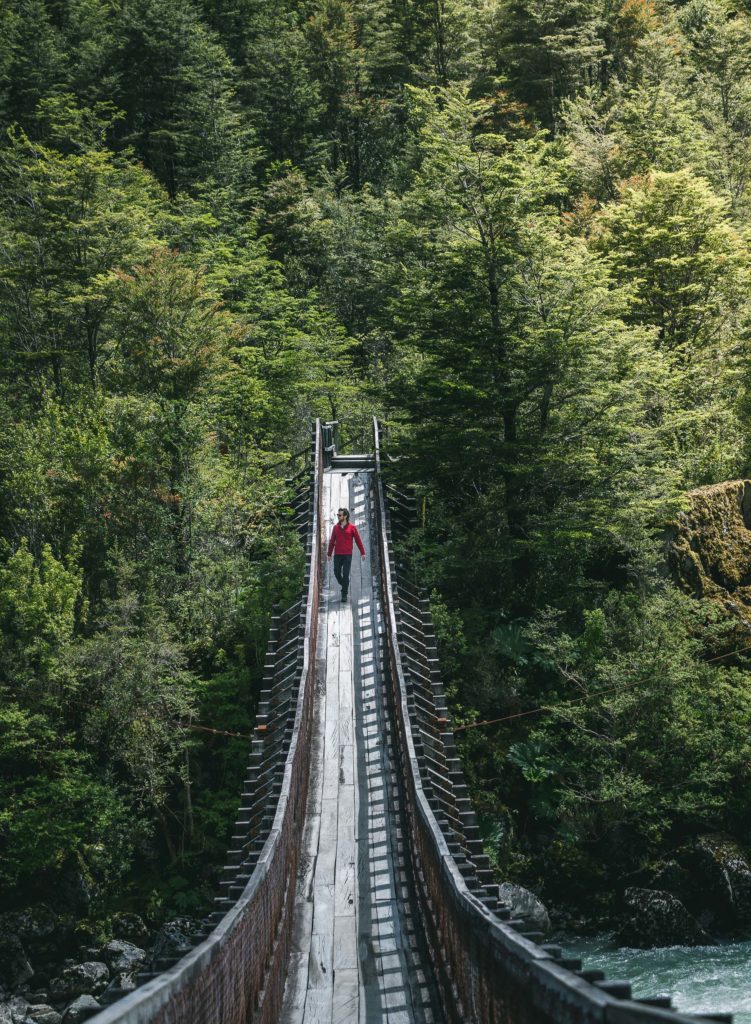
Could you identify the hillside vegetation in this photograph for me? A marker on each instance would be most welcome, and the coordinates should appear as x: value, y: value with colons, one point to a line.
x: 519, y: 231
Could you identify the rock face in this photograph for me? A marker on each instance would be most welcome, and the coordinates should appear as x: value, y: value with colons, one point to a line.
x: 73, y: 891
x: 47, y: 958
x: 15, y: 968
x: 709, y: 548
x: 659, y: 919
x: 526, y: 906
x: 58, y: 967
x: 725, y: 875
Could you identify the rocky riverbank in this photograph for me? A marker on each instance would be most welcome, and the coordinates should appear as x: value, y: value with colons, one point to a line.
x: 699, y: 896
x: 55, y: 969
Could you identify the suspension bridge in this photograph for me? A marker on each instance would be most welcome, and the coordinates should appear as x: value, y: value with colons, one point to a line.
x: 356, y: 888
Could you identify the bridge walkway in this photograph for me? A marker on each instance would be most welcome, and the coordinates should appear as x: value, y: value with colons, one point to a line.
x: 357, y: 954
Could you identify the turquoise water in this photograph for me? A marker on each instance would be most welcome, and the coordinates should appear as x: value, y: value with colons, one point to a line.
x: 701, y: 979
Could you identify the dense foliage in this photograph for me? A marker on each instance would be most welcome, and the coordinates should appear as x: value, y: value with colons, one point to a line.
x: 518, y: 231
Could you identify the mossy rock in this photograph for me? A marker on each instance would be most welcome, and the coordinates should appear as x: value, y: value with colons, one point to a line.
x: 709, y: 547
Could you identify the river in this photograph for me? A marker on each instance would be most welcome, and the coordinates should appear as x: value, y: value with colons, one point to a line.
x: 703, y: 979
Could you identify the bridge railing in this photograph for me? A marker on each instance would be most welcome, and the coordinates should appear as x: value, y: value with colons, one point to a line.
x: 488, y: 972
x: 237, y: 974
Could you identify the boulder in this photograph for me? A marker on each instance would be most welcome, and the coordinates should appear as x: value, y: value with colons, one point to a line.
x: 131, y: 928
x: 41, y: 1013
x: 80, y: 979
x: 659, y: 919
x: 44, y: 935
x: 81, y: 1009
x: 175, y: 939
x: 122, y: 957
x: 708, y: 548
x: 15, y: 968
x: 13, y: 1010
x: 526, y: 906
x: 725, y: 878
x: 120, y: 986
x: 31, y: 924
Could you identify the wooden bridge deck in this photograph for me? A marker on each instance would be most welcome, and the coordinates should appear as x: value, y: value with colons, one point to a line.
x: 357, y: 954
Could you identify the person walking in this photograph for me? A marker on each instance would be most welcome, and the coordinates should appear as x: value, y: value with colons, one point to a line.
x: 343, y: 536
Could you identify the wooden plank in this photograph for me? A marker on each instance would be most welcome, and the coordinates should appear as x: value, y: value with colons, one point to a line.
x: 293, y: 1011
x: 346, y: 997
x: 346, y: 661
x: 346, y: 761
x: 345, y: 944
x: 323, y: 910
x: 333, y: 724
x: 347, y: 739
x: 296, y: 989
x: 333, y: 740
x: 326, y: 857
x: 319, y: 1006
x: 345, y: 889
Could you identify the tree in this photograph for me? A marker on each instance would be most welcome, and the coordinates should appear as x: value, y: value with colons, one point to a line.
x: 88, y: 36
x: 550, y: 52
x: 720, y: 52
x: 53, y: 806
x: 641, y: 744
x: 32, y: 57
x: 38, y: 606
x: 645, y: 120
x: 167, y: 334
x: 512, y: 349
x: 140, y: 699
x: 176, y: 86
x: 279, y: 87
x: 670, y: 236
x: 66, y: 220
x: 670, y: 239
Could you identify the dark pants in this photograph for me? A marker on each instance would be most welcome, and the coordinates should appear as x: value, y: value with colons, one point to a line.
x: 342, y: 566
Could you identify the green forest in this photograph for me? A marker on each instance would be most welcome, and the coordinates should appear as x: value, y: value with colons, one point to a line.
x: 517, y: 231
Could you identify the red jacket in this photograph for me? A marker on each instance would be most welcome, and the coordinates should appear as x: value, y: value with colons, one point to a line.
x: 342, y: 537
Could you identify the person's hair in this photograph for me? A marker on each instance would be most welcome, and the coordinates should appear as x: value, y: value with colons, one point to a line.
x: 346, y: 512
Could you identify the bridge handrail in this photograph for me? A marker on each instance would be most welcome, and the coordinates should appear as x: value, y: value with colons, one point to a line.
x: 238, y: 972
x: 486, y: 971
